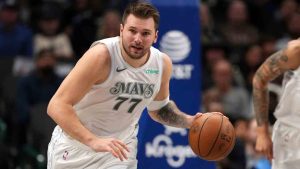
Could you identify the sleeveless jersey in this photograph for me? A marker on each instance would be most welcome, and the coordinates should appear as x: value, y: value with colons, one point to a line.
x: 288, y: 109
x: 114, y: 107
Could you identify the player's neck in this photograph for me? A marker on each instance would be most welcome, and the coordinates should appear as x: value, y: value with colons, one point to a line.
x: 133, y: 62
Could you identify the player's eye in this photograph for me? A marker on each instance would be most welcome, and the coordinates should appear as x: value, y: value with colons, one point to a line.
x: 132, y: 30
x: 146, y: 33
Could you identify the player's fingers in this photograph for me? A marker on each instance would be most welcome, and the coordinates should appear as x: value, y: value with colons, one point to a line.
x: 113, y: 153
x: 121, y: 150
x: 198, y: 115
x: 270, y: 154
x: 117, y: 152
x: 270, y: 159
x: 265, y: 152
x: 123, y: 145
x: 257, y: 148
x: 260, y: 150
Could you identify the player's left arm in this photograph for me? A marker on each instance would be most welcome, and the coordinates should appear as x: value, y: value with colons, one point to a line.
x: 278, y: 63
x: 169, y: 114
x: 281, y: 61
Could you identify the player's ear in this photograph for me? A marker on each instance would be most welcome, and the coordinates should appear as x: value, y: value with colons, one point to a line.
x: 156, y: 35
x: 121, y: 29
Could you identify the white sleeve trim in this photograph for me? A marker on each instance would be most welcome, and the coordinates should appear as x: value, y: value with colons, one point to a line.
x: 156, y: 105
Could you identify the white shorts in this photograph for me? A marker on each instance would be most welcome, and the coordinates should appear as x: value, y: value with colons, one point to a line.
x: 67, y: 153
x: 286, y: 147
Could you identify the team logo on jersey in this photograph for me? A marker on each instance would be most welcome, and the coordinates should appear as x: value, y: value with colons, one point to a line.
x: 133, y: 88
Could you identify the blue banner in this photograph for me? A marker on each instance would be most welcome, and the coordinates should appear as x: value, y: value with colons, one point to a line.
x: 163, y: 147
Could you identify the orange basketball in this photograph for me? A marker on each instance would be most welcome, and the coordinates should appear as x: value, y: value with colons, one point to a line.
x: 212, y: 136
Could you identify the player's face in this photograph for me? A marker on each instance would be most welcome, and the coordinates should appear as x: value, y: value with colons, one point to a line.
x: 137, y: 36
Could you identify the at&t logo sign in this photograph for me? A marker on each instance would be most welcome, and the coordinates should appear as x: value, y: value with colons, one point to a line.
x: 178, y: 46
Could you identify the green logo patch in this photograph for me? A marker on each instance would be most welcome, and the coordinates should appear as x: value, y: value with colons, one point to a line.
x: 151, y: 71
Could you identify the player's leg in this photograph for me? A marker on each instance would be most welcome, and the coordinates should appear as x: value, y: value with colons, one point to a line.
x: 56, y: 135
x: 70, y: 156
x: 285, y: 142
x: 122, y: 165
x: 64, y: 153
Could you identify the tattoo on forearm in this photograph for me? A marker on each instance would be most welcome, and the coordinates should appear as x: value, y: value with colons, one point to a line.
x: 172, y: 116
x: 284, y: 58
x: 261, y: 105
x: 273, y: 64
x: 267, y: 72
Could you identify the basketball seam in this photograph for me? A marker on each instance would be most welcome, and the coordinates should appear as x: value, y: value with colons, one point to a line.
x: 201, y: 131
x: 226, y: 151
x: 233, y: 142
x: 215, y: 139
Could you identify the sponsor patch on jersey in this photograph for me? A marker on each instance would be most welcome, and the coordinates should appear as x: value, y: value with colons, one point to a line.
x: 151, y: 71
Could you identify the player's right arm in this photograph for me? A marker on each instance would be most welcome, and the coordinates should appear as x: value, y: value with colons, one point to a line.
x: 170, y: 114
x: 281, y: 61
x: 92, y: 68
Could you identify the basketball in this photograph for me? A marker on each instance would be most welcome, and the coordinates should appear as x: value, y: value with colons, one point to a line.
x: 212, y: 136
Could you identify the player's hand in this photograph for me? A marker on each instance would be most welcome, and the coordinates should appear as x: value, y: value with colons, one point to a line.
x: 264, y: 145
x: 197, y: 115
x: 192, y: 118
x: 116, y: 147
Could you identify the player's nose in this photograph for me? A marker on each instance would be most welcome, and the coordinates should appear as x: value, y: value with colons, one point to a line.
x: 138, y: 38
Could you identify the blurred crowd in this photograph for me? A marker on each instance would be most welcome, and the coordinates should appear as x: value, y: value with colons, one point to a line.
x: 41, y: 40
x: 236, y: 37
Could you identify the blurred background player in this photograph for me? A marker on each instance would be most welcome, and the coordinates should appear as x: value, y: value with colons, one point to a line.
x: 286, y: 138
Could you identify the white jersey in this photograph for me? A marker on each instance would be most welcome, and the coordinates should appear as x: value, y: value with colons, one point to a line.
x: 114, y: 107
x: 288, y: 109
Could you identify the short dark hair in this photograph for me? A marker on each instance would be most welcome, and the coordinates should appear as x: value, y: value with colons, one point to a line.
x: 143, y: 10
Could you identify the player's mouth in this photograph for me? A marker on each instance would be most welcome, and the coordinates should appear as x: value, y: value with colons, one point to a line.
x: 137, y: 48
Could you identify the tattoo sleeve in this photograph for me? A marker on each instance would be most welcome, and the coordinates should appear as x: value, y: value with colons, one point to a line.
x: 172, y: 116
x: 268, y: 71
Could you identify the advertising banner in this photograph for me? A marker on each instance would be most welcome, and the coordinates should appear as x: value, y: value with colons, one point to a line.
x: 164, y: 147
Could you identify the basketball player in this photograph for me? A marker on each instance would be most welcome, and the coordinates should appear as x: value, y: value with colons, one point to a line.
x: 98, y: 105
x: 284, y: 150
